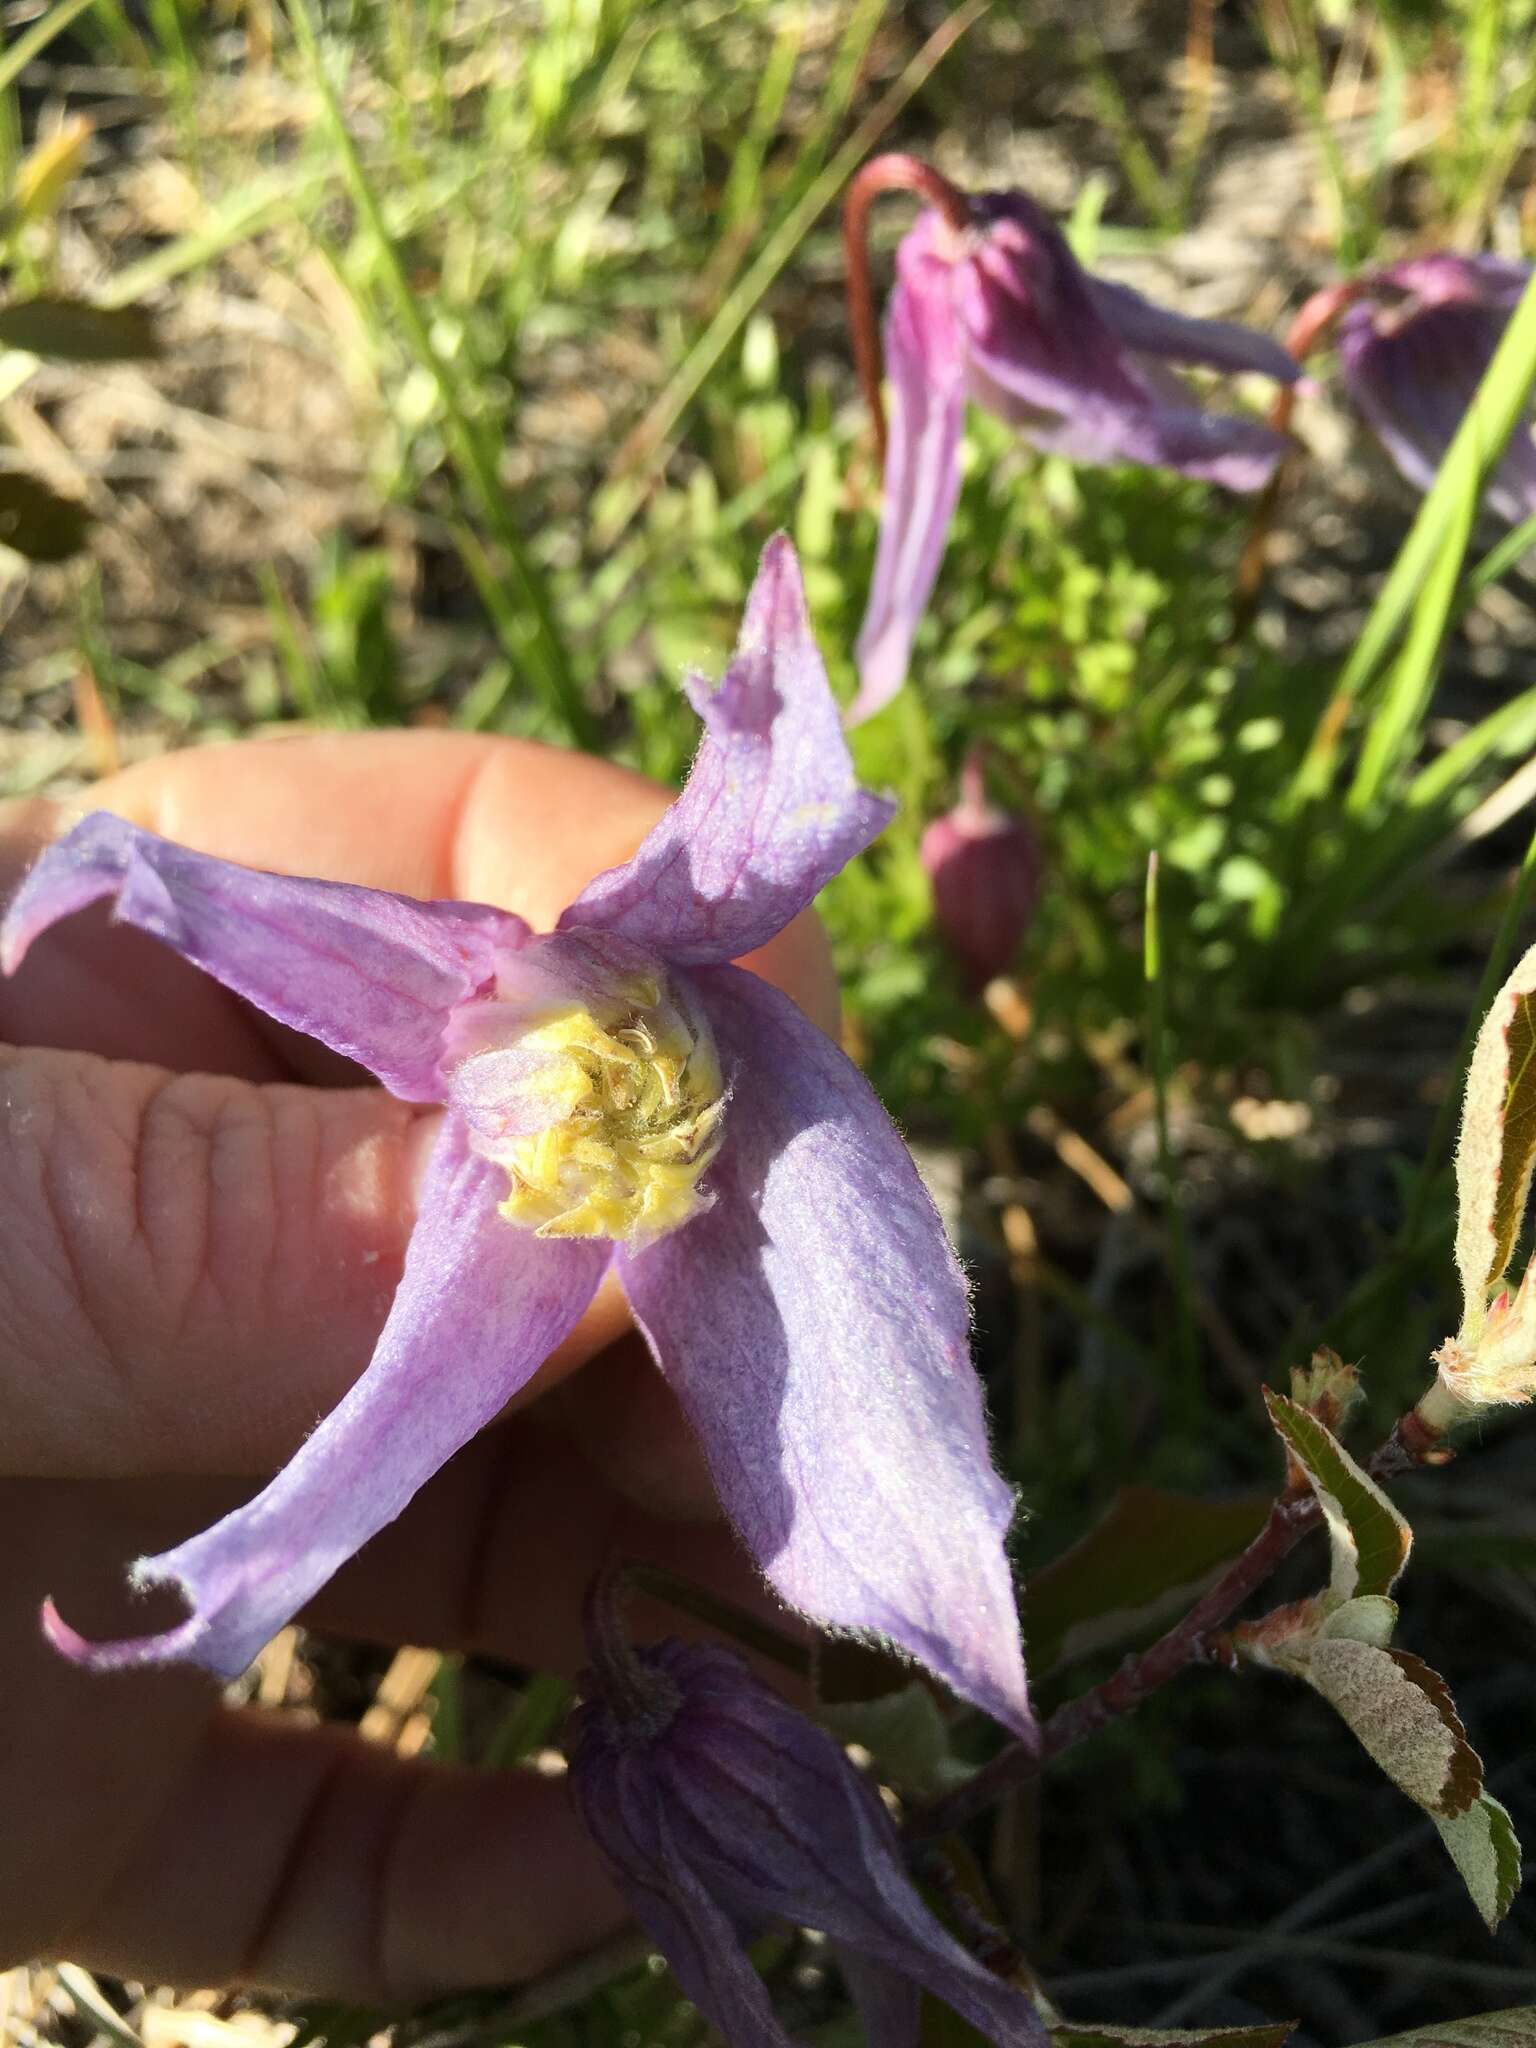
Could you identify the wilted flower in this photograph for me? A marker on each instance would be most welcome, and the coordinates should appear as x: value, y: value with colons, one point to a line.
x: 721, y: 1810
x: 1414, y: 343
x: 618, y: 1095
x: 984, y: 866
x: 990, y: 304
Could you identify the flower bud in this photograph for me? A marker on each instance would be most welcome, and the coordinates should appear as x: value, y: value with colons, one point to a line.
x: 985, y: 869
x: 1413, y: 348
x: 720, y: 1809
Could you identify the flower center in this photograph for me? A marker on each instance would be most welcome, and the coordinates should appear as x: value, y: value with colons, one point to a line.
x: 638, y: 1103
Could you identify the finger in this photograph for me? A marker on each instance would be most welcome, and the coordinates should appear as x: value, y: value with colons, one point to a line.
x: 197, y: 1268
x: 310, y: 1860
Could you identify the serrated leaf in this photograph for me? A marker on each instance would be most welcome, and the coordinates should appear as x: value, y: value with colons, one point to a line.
x: 1486, y: 1850
x: 1515, y: 2027
x: 79, y: 333
x: 1497, y: 1150
x: 1403, y: 1716
x: 1370, y: 1540
x: 1080, y: 2034
x: 37, y: 522
x: 1138, y: 1563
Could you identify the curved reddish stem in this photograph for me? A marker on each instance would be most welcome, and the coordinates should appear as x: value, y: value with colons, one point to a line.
x: 894, y: 172
x: 1311, y: 327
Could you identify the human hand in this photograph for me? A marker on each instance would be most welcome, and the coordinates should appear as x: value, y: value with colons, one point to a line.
x: 200, y: 1255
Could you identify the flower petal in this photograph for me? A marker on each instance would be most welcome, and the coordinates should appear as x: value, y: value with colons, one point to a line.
x: 814, y: 1325
x: 480, y: 1306
x: 922, y: 470
x: 372, y: 975
x: 698, y: 1938
x: 771, y: 810
x: 1040, y: 353
x: 1153, y: 330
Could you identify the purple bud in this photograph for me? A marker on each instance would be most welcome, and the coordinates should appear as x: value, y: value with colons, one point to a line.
x: 721, y: 1809
x: 985, y: 868
x: 1413, y: 347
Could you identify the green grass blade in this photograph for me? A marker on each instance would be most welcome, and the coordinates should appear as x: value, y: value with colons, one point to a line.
x: 535, y: 649
x: 37, y: 38
x: 1479, y: 442
x: 1157, y: 1061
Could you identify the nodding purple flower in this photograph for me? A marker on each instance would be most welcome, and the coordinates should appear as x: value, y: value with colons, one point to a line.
x: 721, y: 1810
x: 1414, y: 343
x: 618, y: 1095
x: 991, y: 305
x: 985, y: 868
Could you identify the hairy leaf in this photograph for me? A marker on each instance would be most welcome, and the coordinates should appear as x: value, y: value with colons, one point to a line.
x: 79, y: 333
x: 1089, y: 2034
x: 1370, y: 1619
x: 1515, y: 2027
x: 1486, y: 1850
x: 1369, y: 1538
x: 1404, y: 1717
x: 1136, y: 1566
x: 37, y: 522
x: 1497, y: 1151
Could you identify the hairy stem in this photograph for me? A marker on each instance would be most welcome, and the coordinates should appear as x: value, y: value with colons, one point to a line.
x: 1411, y: 1443
x: 1308, y: 331
x: 893, y: 172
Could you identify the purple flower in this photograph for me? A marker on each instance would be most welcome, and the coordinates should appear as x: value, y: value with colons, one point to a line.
x: 720, y: 1809
x: 990, y: 304
x: 618, y: 1094
x: 1414, y: 343
x: 985, y: 868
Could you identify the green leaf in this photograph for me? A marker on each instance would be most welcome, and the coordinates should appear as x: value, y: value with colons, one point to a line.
x: 1497, y: 1152
x: 1370, y: 1539
x: 78, y: 333
x: 1486, y: 1850
x: 1515, y: 2027
x: 1403, y: 1716
x: 1370, y: 1619
x: 1136, y: 1566
x: 37, y: 522
x: 905, y: 1733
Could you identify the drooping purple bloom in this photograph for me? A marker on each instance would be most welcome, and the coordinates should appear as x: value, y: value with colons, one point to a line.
x: 1414, y: 343
x: 984, y: 866
x: 999, y: 311
x: 618, y: 1094
x: 721, y: 1810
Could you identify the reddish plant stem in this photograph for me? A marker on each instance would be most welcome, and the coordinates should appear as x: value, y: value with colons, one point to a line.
x: 893, y: 172
x: 1308, y: 331
x: 1189, y: 1641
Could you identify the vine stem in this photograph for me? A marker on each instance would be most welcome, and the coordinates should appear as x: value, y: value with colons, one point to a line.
x: 1308, y: 331
x: 1412, y: 1442
x: 893, y: 172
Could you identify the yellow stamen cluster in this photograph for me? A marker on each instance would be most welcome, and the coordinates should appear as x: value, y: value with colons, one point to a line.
x: 640, y: 1104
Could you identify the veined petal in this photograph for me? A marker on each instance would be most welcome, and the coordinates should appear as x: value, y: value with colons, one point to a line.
x: 1041, y: 354
x: 814, y: 1325
x: 926, y: 372
x: 479, y: 1308
x: 770, y: 811
x: 374, y: 976
x: 1153, y: 330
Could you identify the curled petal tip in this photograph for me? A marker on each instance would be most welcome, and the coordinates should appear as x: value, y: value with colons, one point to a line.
x: 177, y: 1642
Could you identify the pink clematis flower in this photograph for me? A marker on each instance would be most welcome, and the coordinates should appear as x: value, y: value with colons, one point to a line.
x: 991, y: 305
x: 1415, y: 340
x: 619, y: 1095
x: 720, y: 1810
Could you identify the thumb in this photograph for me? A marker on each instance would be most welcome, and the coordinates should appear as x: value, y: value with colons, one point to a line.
x: 197, y: 1266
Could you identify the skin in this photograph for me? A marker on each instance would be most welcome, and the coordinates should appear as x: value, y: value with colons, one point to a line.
x: 205, y: 1217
